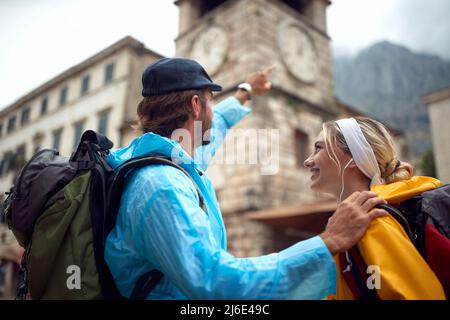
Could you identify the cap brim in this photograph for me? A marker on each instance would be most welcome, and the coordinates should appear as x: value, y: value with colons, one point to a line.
x: 215, y: 87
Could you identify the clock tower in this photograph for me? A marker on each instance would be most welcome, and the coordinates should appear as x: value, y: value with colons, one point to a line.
x: 232, y: 38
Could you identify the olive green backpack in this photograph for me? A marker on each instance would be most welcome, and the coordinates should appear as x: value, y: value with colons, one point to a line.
x: 61, y: 210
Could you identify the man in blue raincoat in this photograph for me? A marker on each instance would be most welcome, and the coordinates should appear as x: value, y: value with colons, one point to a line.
x: 162, y: 226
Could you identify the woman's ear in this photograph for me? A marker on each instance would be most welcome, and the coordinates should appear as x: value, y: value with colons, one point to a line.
x: 351, y: 163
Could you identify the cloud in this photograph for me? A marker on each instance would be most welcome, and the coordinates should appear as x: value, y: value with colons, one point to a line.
x: 41, y: 39
x: 356, y: 24
x: 423, y: 26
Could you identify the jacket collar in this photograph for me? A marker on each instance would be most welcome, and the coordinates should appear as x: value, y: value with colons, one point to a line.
x: 397, y: 192
x: 151, y: 144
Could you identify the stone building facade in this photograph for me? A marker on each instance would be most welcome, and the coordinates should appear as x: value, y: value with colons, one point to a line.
x: 438, y: 104
x: 101, y: 93
x: 249, y: 35
x: 254, y: 34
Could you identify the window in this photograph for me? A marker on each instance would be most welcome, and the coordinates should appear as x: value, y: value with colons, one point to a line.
x: 14, y: 161
x: 103, y: 122
x: 78, y: 129
x: 57, y: 134
x: 63, y: 96
x: 44, y: 104
x: 109, y: 73
x: 301, y: 147
x: 37, y: 141
x: 297, y: 5
x: 7, y: 162
x: 209, y: 5
x: 19, y: 159
x: 12, y: 124
x: 25, y: 117
x: 85, y: 85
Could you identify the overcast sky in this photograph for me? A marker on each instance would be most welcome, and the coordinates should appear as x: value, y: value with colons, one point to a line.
x: 42, y: 38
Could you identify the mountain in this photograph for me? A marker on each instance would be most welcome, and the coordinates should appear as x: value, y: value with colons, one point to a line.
x: 387, y: 81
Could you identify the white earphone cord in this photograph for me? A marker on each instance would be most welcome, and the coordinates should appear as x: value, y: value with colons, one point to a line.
x: 342, y: 180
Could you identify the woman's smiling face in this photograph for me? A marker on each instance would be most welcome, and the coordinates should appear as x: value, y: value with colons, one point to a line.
x: 325, y: 173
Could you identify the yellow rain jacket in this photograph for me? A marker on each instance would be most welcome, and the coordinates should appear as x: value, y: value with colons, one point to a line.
x: 404, y: 273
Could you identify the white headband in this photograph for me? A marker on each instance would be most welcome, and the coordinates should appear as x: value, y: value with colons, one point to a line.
x: 361, y: 150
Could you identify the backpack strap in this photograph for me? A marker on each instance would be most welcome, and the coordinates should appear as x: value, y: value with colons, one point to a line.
x: 118, y: 182
x: 147, y: 281
x: 400, y: 218
x: 353, y: 269
x: 22, y: 285
x: 145, y: 284
x: 353, y: 266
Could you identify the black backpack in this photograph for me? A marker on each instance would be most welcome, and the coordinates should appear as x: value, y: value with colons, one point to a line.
x: 61, y: 211
x: 426, y: 220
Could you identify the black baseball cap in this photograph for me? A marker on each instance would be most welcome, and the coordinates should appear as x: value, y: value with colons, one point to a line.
x: 175, y: 74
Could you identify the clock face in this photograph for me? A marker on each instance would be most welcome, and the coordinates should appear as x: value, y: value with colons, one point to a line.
x: 298, y: 52
x: 210, y: 48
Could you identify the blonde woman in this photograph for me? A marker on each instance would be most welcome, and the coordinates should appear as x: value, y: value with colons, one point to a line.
x: 358, y: 154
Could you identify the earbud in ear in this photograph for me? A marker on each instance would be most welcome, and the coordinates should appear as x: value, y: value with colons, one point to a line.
x: 348, y: 163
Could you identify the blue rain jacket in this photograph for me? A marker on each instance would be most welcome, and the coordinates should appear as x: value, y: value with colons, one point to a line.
x: 160, y: 225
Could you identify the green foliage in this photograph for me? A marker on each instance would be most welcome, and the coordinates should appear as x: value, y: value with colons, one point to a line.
x: 427, y: 164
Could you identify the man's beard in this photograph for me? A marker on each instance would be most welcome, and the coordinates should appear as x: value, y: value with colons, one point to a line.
x: 206, y: 127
